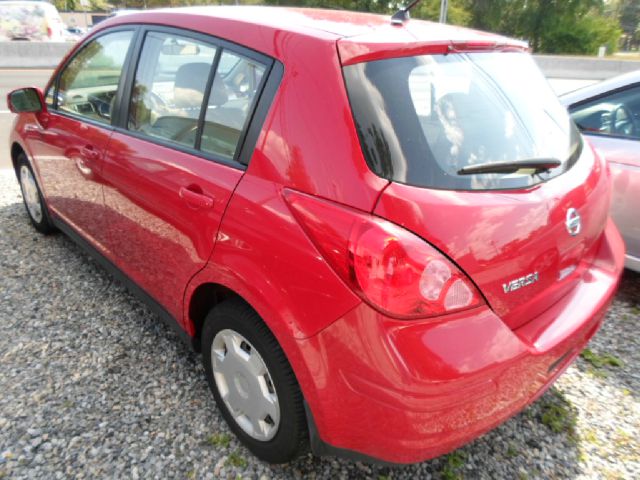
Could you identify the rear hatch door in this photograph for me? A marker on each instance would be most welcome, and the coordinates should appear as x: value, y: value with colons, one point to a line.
x: 523, y: 235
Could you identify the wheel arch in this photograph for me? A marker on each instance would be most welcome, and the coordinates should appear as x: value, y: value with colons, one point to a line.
x: 204, y: 298
x: 209, y: 288
x: 16, y: 150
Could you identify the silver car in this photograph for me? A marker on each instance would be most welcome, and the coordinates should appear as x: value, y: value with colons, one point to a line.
x: 608, y: 114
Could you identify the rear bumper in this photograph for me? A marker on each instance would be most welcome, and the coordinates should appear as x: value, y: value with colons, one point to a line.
x: 407, y: 391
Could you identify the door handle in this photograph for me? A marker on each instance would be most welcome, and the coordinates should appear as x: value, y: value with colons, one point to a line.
x: 195, y: 199
x: 89, y: 152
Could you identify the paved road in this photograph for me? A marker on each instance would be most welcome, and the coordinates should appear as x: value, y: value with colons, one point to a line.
x: 9, y: 80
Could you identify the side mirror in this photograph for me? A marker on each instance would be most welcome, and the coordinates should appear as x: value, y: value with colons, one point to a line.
x: 26, y: 100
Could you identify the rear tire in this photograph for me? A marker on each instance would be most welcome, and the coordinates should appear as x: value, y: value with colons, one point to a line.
x: 32, y: 196
x: 256, y: 389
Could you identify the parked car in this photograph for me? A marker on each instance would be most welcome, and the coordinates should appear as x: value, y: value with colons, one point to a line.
x: 385, y: 237
x: 27, y: 20
x: 608, y: 114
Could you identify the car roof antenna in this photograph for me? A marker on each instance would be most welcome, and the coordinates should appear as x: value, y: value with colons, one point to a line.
x: 402, y: 15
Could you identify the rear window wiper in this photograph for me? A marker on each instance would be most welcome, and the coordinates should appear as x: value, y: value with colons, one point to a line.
x: 536, y: 164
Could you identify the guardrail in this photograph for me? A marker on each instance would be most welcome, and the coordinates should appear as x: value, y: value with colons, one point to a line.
x: 584, y: 68
x: 22, y: 54
x: 48, y: 55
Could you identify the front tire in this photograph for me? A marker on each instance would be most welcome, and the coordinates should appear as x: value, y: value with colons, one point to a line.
x: 32, y: 196
x: 253, y: 383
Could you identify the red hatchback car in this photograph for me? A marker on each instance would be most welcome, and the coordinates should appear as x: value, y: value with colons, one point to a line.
x: 386, y: 237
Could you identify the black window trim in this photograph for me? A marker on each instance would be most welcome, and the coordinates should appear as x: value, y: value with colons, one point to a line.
x: 601, y: 96
x: 55, y: 83
x: 261, y: 102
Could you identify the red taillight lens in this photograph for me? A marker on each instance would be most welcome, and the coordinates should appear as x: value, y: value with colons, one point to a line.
x: 392, y: 269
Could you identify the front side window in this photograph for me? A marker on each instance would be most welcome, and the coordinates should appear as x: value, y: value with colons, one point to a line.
x: 232, y: 97
x: 88, y: 84
x: 421, y: 120
x: 169, y: 87
x: 617, y: 114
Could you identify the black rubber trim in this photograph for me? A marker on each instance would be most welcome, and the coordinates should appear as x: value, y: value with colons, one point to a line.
x: 256, y: 122
x: 119, y: 275
x: 321, y: 448
x: 204, y: 107
x: 220, y: 44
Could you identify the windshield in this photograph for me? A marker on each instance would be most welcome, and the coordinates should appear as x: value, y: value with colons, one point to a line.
x: 422, y: 119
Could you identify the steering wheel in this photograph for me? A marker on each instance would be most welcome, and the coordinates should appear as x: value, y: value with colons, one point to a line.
x: 622, y: 122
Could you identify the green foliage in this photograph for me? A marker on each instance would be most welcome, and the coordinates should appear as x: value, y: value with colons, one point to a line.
x: 558, y: 414
x: 599, y: 361
x: 220, y: 440
x: 453, y: 465
x: 550, y: 26
x: 67, y: 5
x: 237, y: 460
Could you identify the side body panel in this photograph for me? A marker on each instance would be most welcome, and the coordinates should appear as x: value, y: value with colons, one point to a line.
x: 68, y: 154
x: 157, y: 236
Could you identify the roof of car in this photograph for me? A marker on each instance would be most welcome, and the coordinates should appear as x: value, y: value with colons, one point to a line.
x: 342, y: 23
x: 600, y: 88
x: 354, y: 29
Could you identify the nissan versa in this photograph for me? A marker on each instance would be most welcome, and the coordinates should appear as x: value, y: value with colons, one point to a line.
x: 385, y: 236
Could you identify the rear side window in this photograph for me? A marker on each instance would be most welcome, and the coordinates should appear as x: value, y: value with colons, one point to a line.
x: 231, y: 100
x: 422, y: 119
x: 169, y: 87
x: 617, y: 114
x: 88, y: 84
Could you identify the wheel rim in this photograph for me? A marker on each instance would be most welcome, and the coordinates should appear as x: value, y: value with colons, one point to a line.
x: 30, y: 194
x: 245, y: 385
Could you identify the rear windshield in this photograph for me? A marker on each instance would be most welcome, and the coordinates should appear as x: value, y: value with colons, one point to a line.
x: 422, y: 119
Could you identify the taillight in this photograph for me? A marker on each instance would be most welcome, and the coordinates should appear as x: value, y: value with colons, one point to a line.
x: 392, y: 269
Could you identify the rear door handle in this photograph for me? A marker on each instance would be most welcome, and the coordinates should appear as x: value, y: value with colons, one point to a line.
x: 195, y: 199
x: 89, y: 152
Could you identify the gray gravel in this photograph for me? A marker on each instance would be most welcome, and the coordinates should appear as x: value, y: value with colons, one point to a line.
x: 94, y: 386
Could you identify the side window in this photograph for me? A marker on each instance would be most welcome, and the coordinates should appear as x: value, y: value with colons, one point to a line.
x: 233, y: 92
x: 169, y: 87
x: 88, y: 84
x: 616, y: 114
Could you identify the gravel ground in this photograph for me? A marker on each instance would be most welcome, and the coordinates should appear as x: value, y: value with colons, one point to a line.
x: 94, y: 386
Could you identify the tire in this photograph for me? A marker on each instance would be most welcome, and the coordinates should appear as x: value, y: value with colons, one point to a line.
x: 32, y: 196
x: 279, y: 440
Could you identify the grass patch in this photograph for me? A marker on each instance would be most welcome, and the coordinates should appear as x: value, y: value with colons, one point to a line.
x: 558, y: 415
x: 599, y: 361
x: 453, y: 464
x: 237, y: 460
x: 220, y: 440
x: 594, y: 372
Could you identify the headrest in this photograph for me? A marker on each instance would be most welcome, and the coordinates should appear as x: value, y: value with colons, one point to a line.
x: 193, y: 76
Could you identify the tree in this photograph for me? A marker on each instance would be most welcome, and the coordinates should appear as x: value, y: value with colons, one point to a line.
x: 550, y: 26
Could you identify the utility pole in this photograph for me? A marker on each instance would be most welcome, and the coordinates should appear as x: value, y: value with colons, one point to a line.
x: 444, y: 6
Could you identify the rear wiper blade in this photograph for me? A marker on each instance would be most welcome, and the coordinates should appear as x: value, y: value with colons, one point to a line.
x: 536, y: 164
